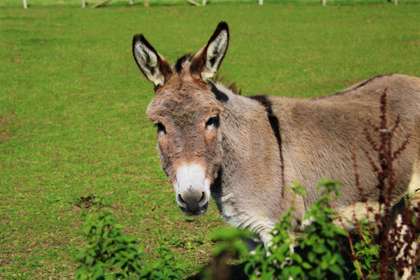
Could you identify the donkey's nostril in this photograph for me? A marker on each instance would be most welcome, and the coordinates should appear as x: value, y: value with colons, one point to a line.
x: 202, y: 198
x: 193, y: 203
x: 181, y: 199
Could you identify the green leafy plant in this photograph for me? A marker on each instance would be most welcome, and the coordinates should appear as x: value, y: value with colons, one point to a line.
x: 279, y: 261
x: 230, y: 241
x: 366, y: 252
x: 313, y: 253
x: 319, y: 242
x: 165, y: 268
x: 111, y: 254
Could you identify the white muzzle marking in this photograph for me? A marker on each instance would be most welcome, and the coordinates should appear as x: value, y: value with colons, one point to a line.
x: 191, y: 177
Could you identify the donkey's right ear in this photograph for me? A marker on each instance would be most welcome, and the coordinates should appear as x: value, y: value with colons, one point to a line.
x: 151, y: 64
x: 206, y: 61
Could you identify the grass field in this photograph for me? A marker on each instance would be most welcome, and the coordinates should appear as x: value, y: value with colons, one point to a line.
x: 33, y: 3
x: 72, y: 105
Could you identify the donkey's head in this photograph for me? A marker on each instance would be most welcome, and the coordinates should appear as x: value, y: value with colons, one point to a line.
x: 186, y: 111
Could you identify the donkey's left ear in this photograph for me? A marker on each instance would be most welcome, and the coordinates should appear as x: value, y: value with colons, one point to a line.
x: 150, y: 62
x: 208, y: 60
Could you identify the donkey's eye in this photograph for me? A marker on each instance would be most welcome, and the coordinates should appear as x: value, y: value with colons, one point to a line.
x: 213, y: 122
x: 160, y: 128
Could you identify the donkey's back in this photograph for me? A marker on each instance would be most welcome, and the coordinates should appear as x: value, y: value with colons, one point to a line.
x: 321, y: 136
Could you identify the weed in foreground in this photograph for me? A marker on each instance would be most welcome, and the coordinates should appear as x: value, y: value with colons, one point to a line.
x: 111, y: 254
x: 386, y: 250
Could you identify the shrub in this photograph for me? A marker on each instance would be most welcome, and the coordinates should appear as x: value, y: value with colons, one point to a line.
x: 230, y: 241
x: 165, y: 268
x: 111, y: 254
x: 313, y: 253
x: 366, y: 253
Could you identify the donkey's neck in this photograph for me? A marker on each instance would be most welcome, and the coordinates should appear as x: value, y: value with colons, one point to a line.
x: 251, y: 170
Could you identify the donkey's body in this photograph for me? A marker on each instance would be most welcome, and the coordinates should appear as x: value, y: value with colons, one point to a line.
x: 318, y: 137
x: 247, y: 151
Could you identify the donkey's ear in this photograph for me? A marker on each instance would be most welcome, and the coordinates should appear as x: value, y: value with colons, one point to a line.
x: 207, y: 61
x: 153, y: 65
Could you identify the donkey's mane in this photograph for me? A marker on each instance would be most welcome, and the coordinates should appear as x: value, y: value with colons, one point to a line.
x: 180, y: 62
x: 218, y: 79
x: 230, y: 85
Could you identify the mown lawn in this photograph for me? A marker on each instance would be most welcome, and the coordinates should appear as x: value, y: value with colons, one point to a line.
x: 72, y: 103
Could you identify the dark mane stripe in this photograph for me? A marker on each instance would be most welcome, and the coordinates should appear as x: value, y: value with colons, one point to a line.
x: 231, y: 86
x: 275, y: 126
x: 220, y: 95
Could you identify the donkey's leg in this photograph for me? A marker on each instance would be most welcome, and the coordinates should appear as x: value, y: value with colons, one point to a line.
x: 262, y: 226
x: 266, y: 238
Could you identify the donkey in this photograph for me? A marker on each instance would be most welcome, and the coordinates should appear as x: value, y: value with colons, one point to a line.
x: 245, y: 152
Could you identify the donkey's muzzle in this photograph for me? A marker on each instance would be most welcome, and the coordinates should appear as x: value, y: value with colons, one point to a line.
x: 193, y: 203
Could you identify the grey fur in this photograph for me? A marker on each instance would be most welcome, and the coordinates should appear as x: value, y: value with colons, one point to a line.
x: 318, y: 136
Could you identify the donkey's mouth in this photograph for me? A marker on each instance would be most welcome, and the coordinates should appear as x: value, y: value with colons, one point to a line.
x: 194, y: 212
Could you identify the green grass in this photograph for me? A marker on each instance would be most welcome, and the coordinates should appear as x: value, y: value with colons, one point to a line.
x: 72, y: 105
x: 32, y: 3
